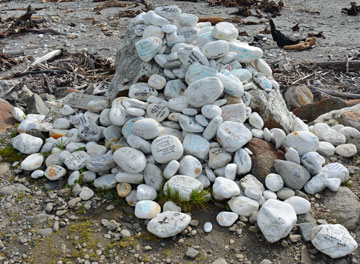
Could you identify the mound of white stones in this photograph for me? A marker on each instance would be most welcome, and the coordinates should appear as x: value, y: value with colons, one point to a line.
x: 186, y: 130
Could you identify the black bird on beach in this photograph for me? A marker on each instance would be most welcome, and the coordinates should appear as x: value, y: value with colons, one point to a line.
x: 280, y: 38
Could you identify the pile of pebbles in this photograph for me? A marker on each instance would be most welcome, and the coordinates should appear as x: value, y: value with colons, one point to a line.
x: 187, y: 130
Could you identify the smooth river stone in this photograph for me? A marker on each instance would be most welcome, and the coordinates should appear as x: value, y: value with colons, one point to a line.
x: 225, y: 31
x: 226, y: 218
x: 274, y: 182
x: 232, y: 136
x: 245, y: 53
x: 203, y: 91
x: 243, y: 74
x: 153, y: 176
x: 158, y: 112
x: 147, y: 209
x: 243, y: 205
x: 105, y: 182
x: 189, y: 124
x: 190, y: 56
x: 166, y: 148
x: 256, y: 121
x: 32, y: 162
x: 171, y: 169
x: 262, y: 81
x: 243, y: 161
x: 218, y: 158
x: 55, y: 172
x: 141, y: 91
x: 302, y: 141
x: 168, y: 224
x: 276, y: 219
x: 211, y: 111
x: 189, y: 33
x: 27, y: 144
x: 313, y: 162
x: 333, y: 240
x: 145, y: 192
x: 300, y: 205
x: 146, y: 128
x: 117, y: 114
x: 126, y: 177
x: 346, y: 150
x: 130, y: 160
x: 123, y: 189
x: 196, y: 145
x: 170, y: 12
x: 326, y: 133
x: 153, y: 31
x: 293, y: 174
x: 225, y: 188
x: 196, y: 71
x: 215, y: 49
x: 185, y: 185
x: 190, y: 166
x: 100, y: 163
x: 234, y: 112
x: 211, y: 129
x: 292, y: 155
x: 157, y: 81
x: 336, y: 170
x: 147, y: 48
x: 174, y: 88
x: 76, y: 160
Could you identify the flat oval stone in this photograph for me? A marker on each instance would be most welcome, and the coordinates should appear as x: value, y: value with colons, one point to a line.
x: 153, y: 176
x: 117, y: 114
x: 55, y: 172
x: 130, y: 160
x: 157, y: 81
x: 300, y: 205
x: 37, y: 174
x: 225, y: 31
x: 141, y: 91
x: 200, y: 119
x: 76, y: 160
x: 212, y: 127
x: 226, y: 219
x: 263, y: 67
x: 203, y: 91
x: 197, y: 71
x: 232, y: 136
x: 158, y: 112
x: 211, y: 111
x: 215, y: 49
x: 326, y: 133
x: 145, y: 192
x: 234, y: 112
x: 97, y: 105
x: 146, y: 128
x: 317, y: 183
x: 274, y: 182
x: 218, y: 158
x: 224, y: 188
x: 171, y: 169
x: 190, y: 166
x: 243, y: 74
x: 196, y: 145
x: 105, y: 182
x: 126, y: 177
x: 188, y: 20
x: 139, y: 143
x: 174, y: 88
x: 147, y: 209
x: 302, y: 141
x: 256, y: 121
x: 27, y: 144
x: 293, y: 174
x: 243, y: 206
x: 185, y: 185
x: 208, y: 227
x: 166, y: 148
x: 32, y: 162
x: 168, y: 224
x: 245, y: 53
x: 243, y: 161
x: 169, y: 28
x: 313, y: 162
x: 61, y: 123
x: 127, y: 128
x: 285, y: 193
x: 346, y: 150
x: 189, y: 124
x: 123, y: 189
x: 147, y: 48
x: 336, y: 170
x: 100, y: 163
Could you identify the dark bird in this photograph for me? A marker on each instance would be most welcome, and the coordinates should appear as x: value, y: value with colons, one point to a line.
x: 280, y: 38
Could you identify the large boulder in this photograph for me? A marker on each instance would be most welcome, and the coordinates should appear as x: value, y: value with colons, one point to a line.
x: 272, y: 108
x: 297, y: 96
x: 130, y: 68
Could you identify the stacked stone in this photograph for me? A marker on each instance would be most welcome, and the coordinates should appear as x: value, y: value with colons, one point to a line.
x: 186, y: 130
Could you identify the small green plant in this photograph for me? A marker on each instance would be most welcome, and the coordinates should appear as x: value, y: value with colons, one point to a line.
x: 80, y: 149
x: 198, y: 198
x: 348, y: 183
x: 2, y: 141
x: 46, y: 154
x: 60, y: 144
x: 166, y: 253
x: 9, y: 154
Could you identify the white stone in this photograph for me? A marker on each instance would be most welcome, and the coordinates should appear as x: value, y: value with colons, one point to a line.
x: 218, y: 158
x: 126, y: 130
x: 346, y: 150
x: 232, y: 136
x: 97, y: 105
x: 88, y: 131
x: 32, y: 162
x: 37, y: 174
x: 139, y: 143
x: 226, y: 219
x: 232, y: 85
x: 196, y: 145
x: 313, y: 162
x: 131, y: 198
x: 126, y: 177
x: 170, y: 12
x: 230, y: 171
x: 141, y: 91
x: 215, y: 49
x: 302, y: 141
x: 293, y: 174
x: 224, y: 188
x: 73, y: 146
x: 325, y: 133
x: 145, y: 192
x: 117, y: 114
x: 185, y: 185
x: 73, y: 178
x: 93, y: 148
x: 276, y: 219
x: 253, y: 193
x: 292, y: 155
x: 190, y: 166
x: 263, y: 67
x: 178, y: 103
x: 153, y: 31
x: 76, y: 160
x: 274, y: 182
x: 262, y: 81
x: 277, y: 136
x: 147, y: 209
x: 211, y: 111
x: 200, y: 119
x: 256, y: 121
x: 350, y: 132
x: 300, y: 205
x: 166, y: 148
x: 130, y: 160
x: 208, y: 227
x: 336, y: 170
x: 197, y: 71
x: 333, y: 240
x: 133, y: 111
x: 171, y: 206
x: 27, y: 144
x: 243, y: 205
x: 171, y: 169
x: 245, y: 53
x: 316, y: 183
x: 326, y: 148
x: 54, y: 172
x: 225, y: 31
x: 269, y: 195
x: 153, y: 176
x: 189, y: 111
x: 235, y: 112
x: 67, y: 110
x: 158, y: 112
x: 243, y: 161
x: 189, y: 124
x: 86, y: 193
x: 157, y: 81
x: 168, y: 224
x: 147, y: 128
x: 243, y: 74
x: 212, y: 127
x: 100, y: 163
x: 169, y: 28
x: 204, y: 91
x: 105, y: 182
x: 188, y: 20
x: 250, y: 181
x: 147, y: 48
x: 18, y: 114
x: 333, y: 184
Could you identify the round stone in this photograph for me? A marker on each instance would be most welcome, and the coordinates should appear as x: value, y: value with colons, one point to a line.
x: 100, y: 163
x: 27, y: 144
x: 243, y: 206
x: 196, y: 145
x: 225, y: 31
x: 274, y: 182
x: 285, y: 193
x: 302, y: 141
x: 18, y: 114
x: 292, y: 155
x: 55, y: 172
x: 256, y: 121
x: 105, y: 182
x: 86, y: 193
x: 269, y: 195
x: 61, y: 123
x: 300, y: 205
x: 166, y: 148
x: 208, y: 227
x: 147, y: 128
x: 224, y: 188
x: 226, y: 219
x: 171, y: 169
x: 326, y: 149
x: 123, y: 189
x: 76, y: 160
x: 145, y: 192
x: 168, y: 224
x: 32, y: 162
x: 190, y: 166
x: 232, y: 135
x: 130, y: 160
x: 97, y: 105
x: 147, y: 209
x: 215, y: 49
x: 211, y: 111
x: 171, y: 206
x: 346, y: 150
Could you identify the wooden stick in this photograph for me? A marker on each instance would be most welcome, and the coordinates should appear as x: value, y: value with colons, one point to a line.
x: 340, y: 65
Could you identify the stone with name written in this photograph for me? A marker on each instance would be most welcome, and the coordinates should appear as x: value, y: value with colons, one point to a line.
x: 105, y: 182
x: 227, y: 219
x: 141, y: 91
x: 76, y: 160
x: 159, y: 112
x: 100, y: 163
x: 302, y: 141
x: 234, y: 112
x: 166, y: 148
x: 336, y: 170
x: 245, y: 53
x: 130, y: 160
x: 147, y: 209
x: 293, y: 174
x: 204, y: 91
x: 147, y: 48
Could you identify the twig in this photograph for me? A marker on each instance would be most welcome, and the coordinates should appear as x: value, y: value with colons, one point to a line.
x: 340, y: 65
x: 15, y: 75
x: 305, y: 77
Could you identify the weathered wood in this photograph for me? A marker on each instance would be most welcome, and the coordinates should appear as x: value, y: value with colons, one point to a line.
x: 340, y: 65
x: 335, y: 93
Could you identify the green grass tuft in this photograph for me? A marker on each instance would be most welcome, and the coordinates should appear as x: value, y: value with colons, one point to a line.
x: 9, y: 154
